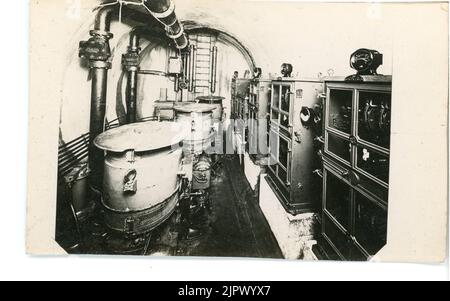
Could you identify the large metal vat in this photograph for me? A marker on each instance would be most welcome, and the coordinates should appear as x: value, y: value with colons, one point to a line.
x: 217, y: 102
x: 197, y: 126
x: 140, y: 185
x: 164, y: 109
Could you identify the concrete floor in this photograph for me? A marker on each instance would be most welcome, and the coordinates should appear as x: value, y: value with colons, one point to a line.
x: 238, y: 226
x: 235, y: 227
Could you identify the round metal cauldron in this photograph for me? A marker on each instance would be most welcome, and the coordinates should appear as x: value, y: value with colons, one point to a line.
x: 197, y: 126
x: 217, y: 102
x: 140, y: 184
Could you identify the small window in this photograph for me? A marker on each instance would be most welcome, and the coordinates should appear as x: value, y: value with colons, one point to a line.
x: 337, y: 201
x: 374, y: 118
x: 374, y: 163
x: 340, y: 110
x: 339, y: 147
x: 370, y: 224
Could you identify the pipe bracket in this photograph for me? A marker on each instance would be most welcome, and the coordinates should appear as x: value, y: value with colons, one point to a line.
x: 131, y: 61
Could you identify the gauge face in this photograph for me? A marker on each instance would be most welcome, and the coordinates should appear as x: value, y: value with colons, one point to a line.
x: 361, y: 60
x: 366, y: 61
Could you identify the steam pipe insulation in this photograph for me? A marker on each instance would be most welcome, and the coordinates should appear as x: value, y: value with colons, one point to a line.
x: 97, y: 52
x: 130, y: 62
x: 164, y: 11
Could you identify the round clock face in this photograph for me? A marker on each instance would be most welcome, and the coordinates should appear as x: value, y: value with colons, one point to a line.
x: 361, y: 60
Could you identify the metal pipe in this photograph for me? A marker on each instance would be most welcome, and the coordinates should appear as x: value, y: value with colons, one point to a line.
x: 98, y: 52
x: 131, y: 96
x: 153, y: 72
x: 176, y: 83
x: 97, y: 123
x: 130, y: 61
x: 213, y: 69
x: 192, y: 58
x: 158, y: 6
x: 103, y: 19
x: 164, y: 11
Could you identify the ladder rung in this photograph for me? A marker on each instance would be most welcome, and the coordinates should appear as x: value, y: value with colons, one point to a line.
x: 203, y: 51
x: 203, y: 83
x: 204, y: 64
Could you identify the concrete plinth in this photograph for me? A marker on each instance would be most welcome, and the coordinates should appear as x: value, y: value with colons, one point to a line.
x: 252, y: 171
x: 294, y: 234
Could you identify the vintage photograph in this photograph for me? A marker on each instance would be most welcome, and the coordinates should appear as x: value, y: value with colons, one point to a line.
x: 225, y: 129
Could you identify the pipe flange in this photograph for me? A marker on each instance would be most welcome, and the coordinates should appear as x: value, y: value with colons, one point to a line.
x: 132, y: 68
x: 176, y: 35
x: 132, y: 49
x: 165, y: 14
x: 100, y: 64
x: 106, y: 34
x: 183, y: 46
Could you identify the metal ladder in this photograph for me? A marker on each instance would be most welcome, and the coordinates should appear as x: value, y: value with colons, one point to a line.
x: 204, y: 44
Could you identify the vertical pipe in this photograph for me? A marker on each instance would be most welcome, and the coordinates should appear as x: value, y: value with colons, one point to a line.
x: 191, y: 67
x: 131, y: 96
x: 213, y: 69
x: 97, y: 123
x: 97, y: 51
x: 176, y: 83
x: 130, y: 61
x: 194, y: 67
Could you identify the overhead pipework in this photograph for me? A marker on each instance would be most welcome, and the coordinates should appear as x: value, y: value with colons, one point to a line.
x: 164, y: 12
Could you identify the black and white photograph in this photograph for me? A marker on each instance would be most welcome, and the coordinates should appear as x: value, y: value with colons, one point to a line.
x: 232, y: 129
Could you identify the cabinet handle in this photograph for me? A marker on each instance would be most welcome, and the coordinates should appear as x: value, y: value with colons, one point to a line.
x: 319, y: 139
x: 318, y: 172
x: 345, y: 173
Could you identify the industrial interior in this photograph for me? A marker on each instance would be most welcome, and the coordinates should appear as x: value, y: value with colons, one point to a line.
x: 183, y: 134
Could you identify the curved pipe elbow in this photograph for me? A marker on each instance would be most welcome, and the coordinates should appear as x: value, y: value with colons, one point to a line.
x: 164, y: 11
x: 134, y: 40
x: 103, y: 18
x: 158, y: 6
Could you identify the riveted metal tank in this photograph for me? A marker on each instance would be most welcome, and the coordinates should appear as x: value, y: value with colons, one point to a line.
x: 197, y: 126
x: 141, y: 183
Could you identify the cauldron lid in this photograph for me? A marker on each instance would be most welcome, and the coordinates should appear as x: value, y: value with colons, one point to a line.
x: 195, y: 107
x: 140, y: 137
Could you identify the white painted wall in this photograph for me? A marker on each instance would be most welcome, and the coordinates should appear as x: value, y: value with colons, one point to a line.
x: 275, y: 32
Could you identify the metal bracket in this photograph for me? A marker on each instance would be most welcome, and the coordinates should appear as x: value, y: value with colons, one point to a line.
x: 131, y: 61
